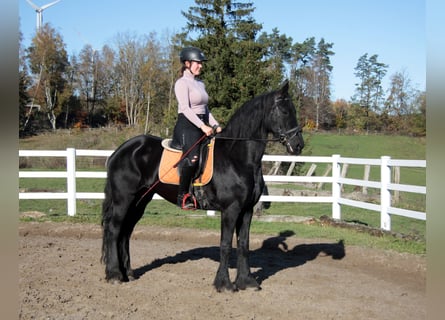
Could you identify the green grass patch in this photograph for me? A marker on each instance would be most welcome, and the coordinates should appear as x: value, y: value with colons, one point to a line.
x: 365, y: 146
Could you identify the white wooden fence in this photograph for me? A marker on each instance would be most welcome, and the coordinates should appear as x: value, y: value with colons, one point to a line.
x: 384, y: 185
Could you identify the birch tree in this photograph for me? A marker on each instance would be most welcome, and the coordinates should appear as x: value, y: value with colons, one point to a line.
x: 128, y: 66
x: 48, y: 62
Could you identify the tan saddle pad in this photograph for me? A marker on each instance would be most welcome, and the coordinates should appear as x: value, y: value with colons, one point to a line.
x: 170, y: 157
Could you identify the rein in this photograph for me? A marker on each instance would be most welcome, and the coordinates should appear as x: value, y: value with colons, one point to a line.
x: 283, y: 137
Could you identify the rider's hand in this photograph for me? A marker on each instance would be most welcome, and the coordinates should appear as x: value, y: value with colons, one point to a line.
x: 207, y: 130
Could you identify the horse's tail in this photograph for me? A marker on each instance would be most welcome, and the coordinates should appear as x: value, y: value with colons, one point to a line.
x: 107, y: 212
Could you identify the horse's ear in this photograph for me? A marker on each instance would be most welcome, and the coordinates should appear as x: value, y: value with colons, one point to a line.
x: 284, y: 87
x: 282, y: 91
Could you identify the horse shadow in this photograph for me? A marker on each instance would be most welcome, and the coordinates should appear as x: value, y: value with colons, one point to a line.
x: 272, y: 257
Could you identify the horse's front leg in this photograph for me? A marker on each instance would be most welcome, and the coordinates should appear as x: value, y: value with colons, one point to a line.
x: 222, y: 279
x: 244, y: 279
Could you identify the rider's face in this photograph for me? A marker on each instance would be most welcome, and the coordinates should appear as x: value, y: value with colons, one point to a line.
x: 195, y: 67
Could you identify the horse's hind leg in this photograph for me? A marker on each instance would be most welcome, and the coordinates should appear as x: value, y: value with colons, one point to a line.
x: 124, y: 243
x: 112, y: 269
x: 112, y: 243
x: 109, y: 238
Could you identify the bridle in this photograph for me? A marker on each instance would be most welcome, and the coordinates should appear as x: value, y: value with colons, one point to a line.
x: 289, y: 134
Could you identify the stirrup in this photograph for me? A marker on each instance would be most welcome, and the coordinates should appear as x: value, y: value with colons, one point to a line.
x: 189, y: 202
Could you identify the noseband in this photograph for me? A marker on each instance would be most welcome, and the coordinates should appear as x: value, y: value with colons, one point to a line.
x: 289, y: 134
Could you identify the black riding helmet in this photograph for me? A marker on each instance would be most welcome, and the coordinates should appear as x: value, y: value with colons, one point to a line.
x: 192, y: 54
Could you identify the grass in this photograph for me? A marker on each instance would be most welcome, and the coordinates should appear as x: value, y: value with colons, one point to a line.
x: 162, y: 213
x: 365, y: 146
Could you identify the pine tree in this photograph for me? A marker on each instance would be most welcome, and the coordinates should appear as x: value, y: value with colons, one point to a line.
x: 226, y: 32
x: 310, y: 70
x: 369, y: 92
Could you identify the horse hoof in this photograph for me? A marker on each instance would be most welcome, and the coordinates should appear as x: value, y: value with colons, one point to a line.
x: 233, y: 289
x: 116, y: 278
x: 255, y: 288
x: 114, y: 281
x: 131, y: 278
x: 226, y: 287
x: 248, y: 282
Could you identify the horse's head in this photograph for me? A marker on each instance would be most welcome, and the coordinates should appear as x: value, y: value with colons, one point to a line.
x: 283, y: 121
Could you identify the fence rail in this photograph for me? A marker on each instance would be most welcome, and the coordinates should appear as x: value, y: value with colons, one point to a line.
x: 385, y: 185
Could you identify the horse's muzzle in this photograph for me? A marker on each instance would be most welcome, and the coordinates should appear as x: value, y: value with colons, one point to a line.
x: 294, y: 143
x: 295, y: 150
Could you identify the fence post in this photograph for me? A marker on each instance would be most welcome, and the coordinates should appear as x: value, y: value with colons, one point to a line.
x: 396, y: 195
x: 71, y: 180
x: 385, y: 194
x: 336, y: 187
x: 366, y: 177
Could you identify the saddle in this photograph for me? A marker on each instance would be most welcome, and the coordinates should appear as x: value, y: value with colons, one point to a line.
x: 170, y: 157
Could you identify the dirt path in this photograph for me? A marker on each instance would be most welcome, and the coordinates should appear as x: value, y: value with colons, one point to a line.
x: 61, y: 278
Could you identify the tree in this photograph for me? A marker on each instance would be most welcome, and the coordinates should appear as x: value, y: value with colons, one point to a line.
x: 155, y: 80
x: 128, y: 66
x: 418, y: 119
x: 142, y: 78
x: 397, y: 102
x: 69, y: 102
x: 173, y: 64
x: 321, y: 92
x: 310, y: 70
x: 340, y: 108
x: 404, y: 106
x: 299, y: 67
x: 25, y: 110
x: 111, y: 87
x: 87, y: 80
x: 48, y: 61
x: 278, y: 54
x: 227, y: 34
x: 369, y: 92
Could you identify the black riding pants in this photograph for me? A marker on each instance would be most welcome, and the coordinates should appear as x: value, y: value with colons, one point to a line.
x: 185, y: 135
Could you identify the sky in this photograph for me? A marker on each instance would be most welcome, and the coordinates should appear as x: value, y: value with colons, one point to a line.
x: 394, y: 30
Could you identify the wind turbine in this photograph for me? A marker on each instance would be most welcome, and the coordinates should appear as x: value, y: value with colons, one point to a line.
x: 39, y: 11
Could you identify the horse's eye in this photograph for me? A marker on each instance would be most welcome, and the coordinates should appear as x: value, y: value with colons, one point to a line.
x: 284, y: 111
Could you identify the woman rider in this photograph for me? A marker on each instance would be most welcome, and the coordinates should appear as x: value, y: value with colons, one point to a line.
x: 194, y: 119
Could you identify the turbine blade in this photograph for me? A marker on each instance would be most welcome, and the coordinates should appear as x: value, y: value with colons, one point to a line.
x: 49, y: 5
x: 33, y: 5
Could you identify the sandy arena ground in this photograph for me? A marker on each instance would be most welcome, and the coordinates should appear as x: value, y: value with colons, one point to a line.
x: 61, y: 278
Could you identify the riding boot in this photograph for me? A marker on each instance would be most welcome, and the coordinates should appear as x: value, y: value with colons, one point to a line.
x: 185, y: 199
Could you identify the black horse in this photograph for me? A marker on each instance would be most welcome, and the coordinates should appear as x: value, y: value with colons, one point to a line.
x: 235, y: 188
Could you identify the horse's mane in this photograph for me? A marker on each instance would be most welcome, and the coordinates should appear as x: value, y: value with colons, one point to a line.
x: 247, y: 121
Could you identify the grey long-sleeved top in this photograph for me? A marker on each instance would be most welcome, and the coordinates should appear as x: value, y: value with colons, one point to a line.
x: 192, y: 99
